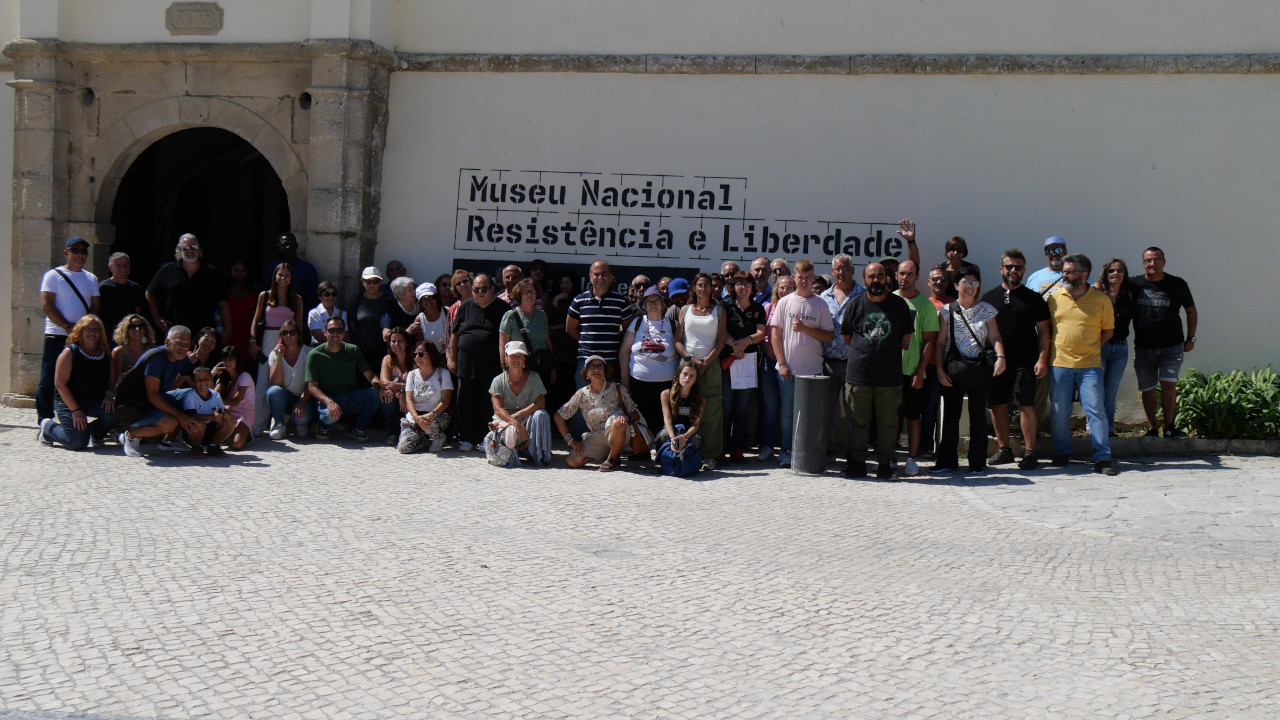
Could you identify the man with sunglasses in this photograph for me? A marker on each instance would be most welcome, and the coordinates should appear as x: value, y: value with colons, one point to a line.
x: 189, y: 291
x: 1023, y: 318
x: 333, y: 377
x: 1158, y: 341
x: 1048, y: 279
x: 67, y: 293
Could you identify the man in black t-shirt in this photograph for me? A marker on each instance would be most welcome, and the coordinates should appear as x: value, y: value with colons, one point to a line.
x: 119, y: 296
x: 876, y: 326
x: 1158, y: 342
x: 1023, y: 319
x: 188, y: 291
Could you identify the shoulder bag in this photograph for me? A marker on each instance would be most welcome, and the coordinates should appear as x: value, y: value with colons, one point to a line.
x: 966, y: 371
x: 541, y: 361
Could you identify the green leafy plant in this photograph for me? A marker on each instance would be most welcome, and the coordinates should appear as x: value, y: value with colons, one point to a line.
x: 1237, y: 405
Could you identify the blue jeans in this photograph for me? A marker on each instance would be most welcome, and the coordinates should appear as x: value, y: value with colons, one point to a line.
x: 787, y: 421
x: 1063, y: 381
x: 53, y: 346
x: 280, y: 402
x: 65, y: 432
x: 1114, y: 358
x: 362, y: 403
x: 769, y: 402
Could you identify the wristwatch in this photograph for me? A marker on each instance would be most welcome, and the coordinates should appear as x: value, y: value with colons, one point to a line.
x: 568, y: 439
x: 1191, y: 339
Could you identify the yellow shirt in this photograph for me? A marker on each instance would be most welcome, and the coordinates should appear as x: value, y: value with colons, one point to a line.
x: 1078, y: 326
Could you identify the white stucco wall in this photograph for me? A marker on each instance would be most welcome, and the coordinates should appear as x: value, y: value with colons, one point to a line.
x: 1111, y: 163
x: 837, y: 26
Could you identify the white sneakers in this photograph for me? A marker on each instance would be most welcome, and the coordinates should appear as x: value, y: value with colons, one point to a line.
x: 174, y: 445
x: 465, y: 446
x: 911, y: 467
x: 132, y: 445
x: 765, y: 455
x: 277, y: 432
x: 436, y: 446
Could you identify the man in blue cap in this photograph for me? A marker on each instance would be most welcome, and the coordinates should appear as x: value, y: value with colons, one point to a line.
x: 67, y: 293
x: 677, y: 297
x: 1047, y: 279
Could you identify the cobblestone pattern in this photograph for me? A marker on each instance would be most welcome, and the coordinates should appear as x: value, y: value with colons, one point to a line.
x: 343, y: 581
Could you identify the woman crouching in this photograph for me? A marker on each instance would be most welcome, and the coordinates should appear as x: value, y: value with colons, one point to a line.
x: 611, y: 418
x: 428, y: 391
x: 520, y: 421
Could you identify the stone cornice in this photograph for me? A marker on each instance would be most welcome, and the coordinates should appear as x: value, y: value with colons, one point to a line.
x: 869, y: 64
x: 201, y: 52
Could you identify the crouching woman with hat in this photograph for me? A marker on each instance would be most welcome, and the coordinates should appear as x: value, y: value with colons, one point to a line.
x: 611, y: 418
x: 520, y: 420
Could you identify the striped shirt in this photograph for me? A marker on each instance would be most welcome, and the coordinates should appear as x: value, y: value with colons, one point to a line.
x: 600, y: 323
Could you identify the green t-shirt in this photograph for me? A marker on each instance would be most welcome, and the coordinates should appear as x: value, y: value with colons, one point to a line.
x: 536, y: 325
x: 925, y: 319
x: 511, y: 402
x: 336, y: 373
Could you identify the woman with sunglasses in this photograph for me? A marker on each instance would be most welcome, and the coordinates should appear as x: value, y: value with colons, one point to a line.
x: 280, y: 302
x: 956, y: 250
x: 519, y: 400
x: 287, y: 396
x: 460, y: 284
x: 611, y: 418
x: 365, y: 318
x: 318, y: 316
x: 1115, y: 352
x: 432, y: 323
x: 967, y: 327
x: 428, y: 392
x: 83, y: 403
x: 745, y: 325
x: 395, y: 367
x: 700, y: 336
x: 473, y: 358
x: 133, y: 337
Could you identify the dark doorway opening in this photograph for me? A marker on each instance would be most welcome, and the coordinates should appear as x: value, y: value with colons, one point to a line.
x: 205, y: 181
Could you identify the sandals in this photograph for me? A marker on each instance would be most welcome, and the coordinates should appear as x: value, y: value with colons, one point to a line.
x: 609, y: 464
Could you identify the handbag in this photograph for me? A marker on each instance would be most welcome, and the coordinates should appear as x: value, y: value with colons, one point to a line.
x: 967, y: 371
x: 686, y: 463
x: 641, y: 425
x: 541, y: 361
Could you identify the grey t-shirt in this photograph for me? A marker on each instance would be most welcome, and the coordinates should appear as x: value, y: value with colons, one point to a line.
x: 511, y: 402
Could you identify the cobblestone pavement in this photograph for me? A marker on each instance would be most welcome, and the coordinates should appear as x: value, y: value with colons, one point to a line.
x: 340, y: 581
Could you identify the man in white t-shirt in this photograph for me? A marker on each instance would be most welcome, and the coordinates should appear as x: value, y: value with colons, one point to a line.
x: 801, y: 323
x: 67, y: 294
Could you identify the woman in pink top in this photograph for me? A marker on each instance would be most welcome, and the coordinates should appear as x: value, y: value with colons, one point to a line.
x: 282, y: 302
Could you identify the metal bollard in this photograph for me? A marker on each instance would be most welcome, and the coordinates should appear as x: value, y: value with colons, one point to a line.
x: 809, y: 444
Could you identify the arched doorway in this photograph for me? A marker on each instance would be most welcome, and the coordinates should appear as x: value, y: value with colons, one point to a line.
x: 206, y: 181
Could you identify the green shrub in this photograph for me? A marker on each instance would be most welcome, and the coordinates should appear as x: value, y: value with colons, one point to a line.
x: 1238, y: 405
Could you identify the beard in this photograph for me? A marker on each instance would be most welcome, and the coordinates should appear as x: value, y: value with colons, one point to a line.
x: 1012, y: 282
x: 876, y: 288
x: 1075, y: 284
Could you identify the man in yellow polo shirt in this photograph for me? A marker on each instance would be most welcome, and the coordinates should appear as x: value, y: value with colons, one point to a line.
x: 1083, y: 320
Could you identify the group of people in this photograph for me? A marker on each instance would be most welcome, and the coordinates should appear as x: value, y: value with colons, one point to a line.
x: 492, y: 361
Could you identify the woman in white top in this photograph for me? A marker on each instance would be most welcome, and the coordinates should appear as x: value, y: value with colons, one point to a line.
x: 647, y: 357
x: 432, y: 324
x: 700, y: 336
x: 287, y: 374
x: 967, y: 327
x: 320, y: 314
x: 428, y: 391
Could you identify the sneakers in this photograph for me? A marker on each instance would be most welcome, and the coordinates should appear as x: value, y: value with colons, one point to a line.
x: 43, y: 435
x: 709, y: 464
x: 259, y: 432
x: 303, y: 430
x: 277, y: 432
x: 174, y: 445
x: 322, y: 432
x: 465, y: 446
x: 132, y: 445
x: 359, y: 435
x: 884, y: 471
x: 1151, y: 432
x: 912, y: 468
x: 1104, y: 467
x: 855, y: 470
x: 940, y: 469
x: 765, y: 455
x: 216, y: 451
x: 392, y: 440
x: 784, y: 460
x: 1060, y: 460
x: 1174, y: 433
x: 1003, y: 456
x: 197, y: 453
x: 436, y: 446
x: 1029, y: 460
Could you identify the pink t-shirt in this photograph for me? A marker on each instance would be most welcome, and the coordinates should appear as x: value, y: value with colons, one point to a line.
x: 803, y: 353
x: 244, y: 410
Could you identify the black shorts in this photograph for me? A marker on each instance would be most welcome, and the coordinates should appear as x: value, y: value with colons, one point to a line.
x: 1019, y: 382
x: 912, y: 399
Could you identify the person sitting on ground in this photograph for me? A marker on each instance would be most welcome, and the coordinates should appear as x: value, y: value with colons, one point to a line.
x: 282, y: 301
x: 519, y: 399
x: 165, y: 371
x: 204, y: 352
x: 682, y: 406
x: 610, y: 415
x: 215, y: 424
x: 287, y: 373
x: 320, y: 314
x: 333, y: 374
x: 236, y: 388
x: 83, y: 402
x: 396, y: 364
x: 428, y: 391
x: 133, y: 336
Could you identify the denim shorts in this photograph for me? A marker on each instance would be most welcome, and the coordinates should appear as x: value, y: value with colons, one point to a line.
x: 1156, y: 365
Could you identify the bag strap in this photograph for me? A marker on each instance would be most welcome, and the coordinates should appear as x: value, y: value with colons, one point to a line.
x: 972, y: 335
x: 75, y: 290
x: 1051, y: 286
x: 524, y: 329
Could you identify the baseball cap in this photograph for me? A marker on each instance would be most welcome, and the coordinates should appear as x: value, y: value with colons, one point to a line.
x: 1055, y: 240
x: 370, y: 273
x: 76, y: 241
x: 424, y: 290
x: 677, y: 286
x: 515, y: 347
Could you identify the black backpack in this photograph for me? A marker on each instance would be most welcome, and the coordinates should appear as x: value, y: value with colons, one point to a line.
x: 131, y: 390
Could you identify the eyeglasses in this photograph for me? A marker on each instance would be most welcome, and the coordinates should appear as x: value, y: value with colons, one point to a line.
x: 372, y: 281
x: 969, y: 283
x: 420, y: 354
x: 1055, y: 251
x: 334, y: 331
x: 1006, y: 296
x: 1011, y: 267
x: 135, y: 326
x: 1152, y: 261
x: 481, y: 288
x: 641, y: 286
x: 463, y: 281
x: 288, y: 333
x: 78, y: 251
x: 779, y: 271
x: 328, y: 293
x: 937, y: 280
x: 1115, y: 271
x: 189, y: 248
x: 1073, y: 273
x: 595, y: 366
